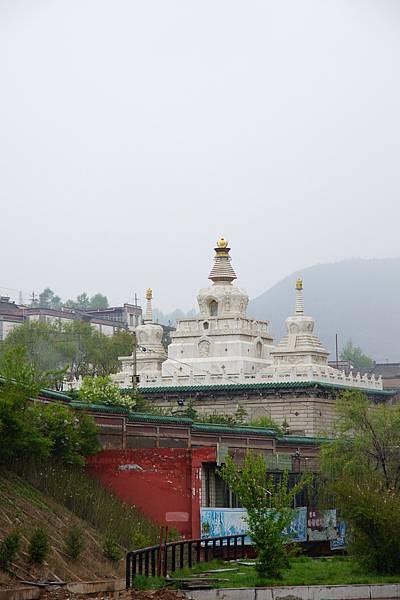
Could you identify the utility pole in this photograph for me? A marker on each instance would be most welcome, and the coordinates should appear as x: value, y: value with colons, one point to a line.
x: 134, y: 363
x: 337, y: 353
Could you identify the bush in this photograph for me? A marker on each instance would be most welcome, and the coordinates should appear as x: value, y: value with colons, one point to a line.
x: 8, y: 549
x: 140, y: 541
x: 102, y: 390
x: 74, y: 542
x: 267, y: 422
x: 38, y: 546
x: 111, y: 549
x: 72, y: 435
x: 374, y: 522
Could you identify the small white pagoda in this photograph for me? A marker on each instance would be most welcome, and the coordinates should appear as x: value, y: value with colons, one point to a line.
x: 300, y: 356
x: 150, y: 353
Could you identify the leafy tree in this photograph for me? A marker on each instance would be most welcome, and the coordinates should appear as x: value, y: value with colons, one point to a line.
x: 356, y: 356
x: 42, y: 344
x: 48, y: 299
x: 82, y: 301
x: 74, y: 542
x: 98, y: 301
x: 190, y: 412
x: 75, y: 348
x: 22, y: 381
x: 240, y: 414
x: 38, y: 546
x: 38, y: 430
x: 361, y: 467
x: 267, y: 422
x: 72, y: 435
x: 102, y: 390
x: 9, y: 548
x: 269, y: 510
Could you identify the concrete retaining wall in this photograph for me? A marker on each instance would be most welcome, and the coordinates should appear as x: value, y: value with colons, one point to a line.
x: 312, y: 592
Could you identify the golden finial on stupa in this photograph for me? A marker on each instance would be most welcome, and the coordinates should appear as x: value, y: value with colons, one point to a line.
x: 299, y: 284
x: 222, y: 243
x: 149, y: 294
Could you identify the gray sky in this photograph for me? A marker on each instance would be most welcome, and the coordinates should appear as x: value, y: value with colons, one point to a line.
x: 134, y: 133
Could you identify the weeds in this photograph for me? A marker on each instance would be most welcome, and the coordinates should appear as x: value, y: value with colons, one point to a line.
x: 89, y: 500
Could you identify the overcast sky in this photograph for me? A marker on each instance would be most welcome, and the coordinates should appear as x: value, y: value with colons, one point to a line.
x: 133, y: 133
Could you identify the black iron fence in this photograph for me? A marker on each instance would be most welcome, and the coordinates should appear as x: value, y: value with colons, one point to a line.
x: 166, y: 558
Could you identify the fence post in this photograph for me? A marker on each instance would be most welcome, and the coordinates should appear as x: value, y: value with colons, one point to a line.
x: 128, y: 573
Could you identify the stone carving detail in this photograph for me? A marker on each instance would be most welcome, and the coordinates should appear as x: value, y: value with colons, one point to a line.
x: 204, y: 348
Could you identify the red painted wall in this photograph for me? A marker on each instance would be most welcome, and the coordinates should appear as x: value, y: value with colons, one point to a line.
x: 158, y: 481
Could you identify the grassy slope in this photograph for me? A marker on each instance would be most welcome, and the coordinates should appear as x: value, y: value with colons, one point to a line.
x: 24, y: 508
x: 304, y: 571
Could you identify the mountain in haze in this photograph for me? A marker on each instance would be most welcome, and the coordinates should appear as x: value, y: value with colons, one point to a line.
x: 355, y: 298
x: 170, y: 318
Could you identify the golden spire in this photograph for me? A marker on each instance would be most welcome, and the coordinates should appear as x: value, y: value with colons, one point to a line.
x: 149, y: 294
x: 299, y: 284
x: 222, y: 269
x: 222, y: 243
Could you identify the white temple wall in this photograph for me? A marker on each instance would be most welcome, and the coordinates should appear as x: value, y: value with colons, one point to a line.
x: 304, y: 415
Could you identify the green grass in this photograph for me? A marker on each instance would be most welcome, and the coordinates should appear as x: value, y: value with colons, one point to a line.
x: 304, y: 571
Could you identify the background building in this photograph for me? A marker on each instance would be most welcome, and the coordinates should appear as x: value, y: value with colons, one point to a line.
x: 106, y: 321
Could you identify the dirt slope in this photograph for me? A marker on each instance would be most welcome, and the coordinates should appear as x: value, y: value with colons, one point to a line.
x: 24, y: 508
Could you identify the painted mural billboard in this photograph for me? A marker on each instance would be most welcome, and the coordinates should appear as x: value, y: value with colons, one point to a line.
x: 321, y: 525
x: 307, y: 525
x: 232, y: 521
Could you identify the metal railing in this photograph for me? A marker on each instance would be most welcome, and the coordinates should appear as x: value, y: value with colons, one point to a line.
x: 162, y: 559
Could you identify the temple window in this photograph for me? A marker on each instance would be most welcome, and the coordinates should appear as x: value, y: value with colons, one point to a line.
x: 258, y: 349
x: 213, y: 308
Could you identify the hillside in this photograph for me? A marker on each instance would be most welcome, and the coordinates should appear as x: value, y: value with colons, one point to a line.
x: 23, y: 508
x: 357, y: 298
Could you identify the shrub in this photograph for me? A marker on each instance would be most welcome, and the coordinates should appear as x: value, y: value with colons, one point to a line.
x: 74, y: 542
x: 140, y: 540
x: 9, y: 548
x: 38, y: 546
x: 102, y: 390
x: 72, y: 435
x: 111, y: 549
x: 267, y: 422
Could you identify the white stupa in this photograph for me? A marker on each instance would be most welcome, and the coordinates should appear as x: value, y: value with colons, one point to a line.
x: 150, y: 353
x: 300, y: 355
x: 300, y: 346
x: 221, y: 343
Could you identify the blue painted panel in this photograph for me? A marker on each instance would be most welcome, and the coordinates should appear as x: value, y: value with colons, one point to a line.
x: 232, y: 521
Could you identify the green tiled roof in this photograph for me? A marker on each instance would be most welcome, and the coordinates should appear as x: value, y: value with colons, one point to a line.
x: 107, y: 408
x: 287, y: 385
x: 217, y: 427
x: 301, y: 439
x: 195, y: 426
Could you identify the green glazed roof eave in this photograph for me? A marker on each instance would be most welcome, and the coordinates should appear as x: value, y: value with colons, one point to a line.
x: 258, y: 386
x: 195, y: 426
